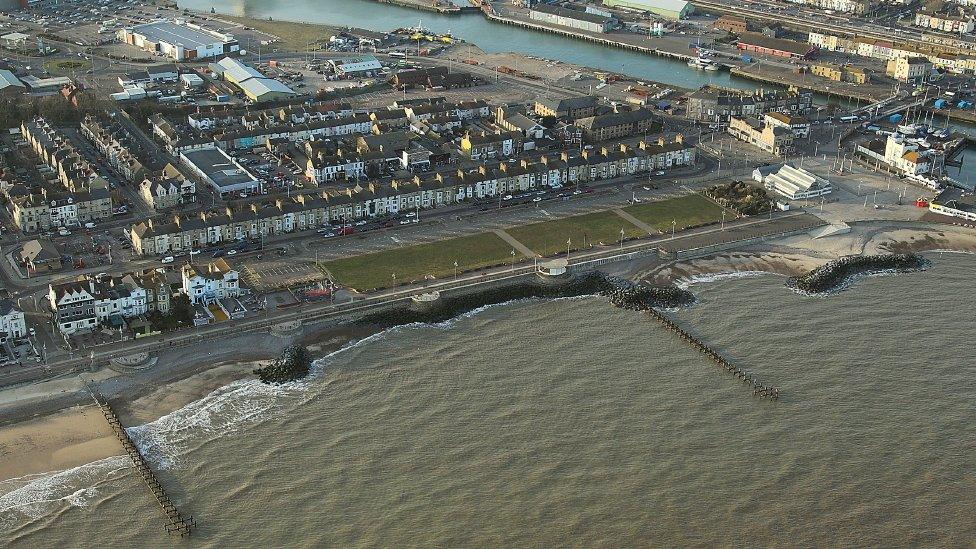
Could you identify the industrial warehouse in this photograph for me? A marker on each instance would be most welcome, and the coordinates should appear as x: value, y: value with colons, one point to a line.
x: 179, y: 41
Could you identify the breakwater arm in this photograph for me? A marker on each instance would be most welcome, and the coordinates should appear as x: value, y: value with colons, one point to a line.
x: 838, y: 273
x: 621, y: 293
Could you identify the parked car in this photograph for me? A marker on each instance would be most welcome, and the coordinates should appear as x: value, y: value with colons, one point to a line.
x: 232, y: 252
x: 167, y: 259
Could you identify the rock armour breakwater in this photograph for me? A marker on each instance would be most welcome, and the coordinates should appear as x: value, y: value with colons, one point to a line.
x: 621, y: 293
x: 836, y: 274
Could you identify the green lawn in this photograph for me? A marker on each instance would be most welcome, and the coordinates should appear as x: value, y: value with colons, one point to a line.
x: 414, y: 263
x: 67, y: 66
x: 687, y: 211
x: 549, y: 237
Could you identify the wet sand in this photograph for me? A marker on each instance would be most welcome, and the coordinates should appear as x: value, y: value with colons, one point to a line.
x: 78, y: 435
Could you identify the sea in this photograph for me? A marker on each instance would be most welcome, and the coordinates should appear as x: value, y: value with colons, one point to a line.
x: 569, y: 422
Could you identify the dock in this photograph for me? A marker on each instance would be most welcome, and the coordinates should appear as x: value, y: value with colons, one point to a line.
x: 759, y: 389
x: 570, y: 33
x: 176, y: 522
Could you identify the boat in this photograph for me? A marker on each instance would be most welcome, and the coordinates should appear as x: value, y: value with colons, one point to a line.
x: 703, y: 63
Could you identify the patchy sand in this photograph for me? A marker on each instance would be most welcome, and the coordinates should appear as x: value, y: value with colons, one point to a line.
x: 67, y: 439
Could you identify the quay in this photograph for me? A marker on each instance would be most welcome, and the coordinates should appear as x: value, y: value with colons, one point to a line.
x: 434, y: 7
x: 176, y: 523
x: 785, y: 80
x: 489, y: 13
x: 759, y: 388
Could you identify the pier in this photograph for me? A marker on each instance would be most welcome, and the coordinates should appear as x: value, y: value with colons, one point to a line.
x: 176, y: 523
x: 759, y: 389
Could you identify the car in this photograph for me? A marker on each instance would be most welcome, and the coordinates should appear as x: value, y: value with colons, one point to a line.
x: 33, y: 332
x: 507, y: 197
x: 232, y: 252
x: 537, y: 199
x: 646, y: 188
x: 577, y: 191
x: 404, y: 221
x: 219, y: 253
x: 411, y: 214
x: 64, y: 232
x: 659, y: 172
x: 360, y: 223
x: 167, y: 259
x: 194, y: 252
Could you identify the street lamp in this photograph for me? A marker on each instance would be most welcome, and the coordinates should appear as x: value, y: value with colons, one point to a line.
x: 674, y: 226
x: 513, y: 260
x: 455, y: 269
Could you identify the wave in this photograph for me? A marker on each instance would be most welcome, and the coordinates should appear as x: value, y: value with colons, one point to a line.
x: 165, y: 441
x: 31, y: 497
x: 848, y: 282
x: 686, y: 282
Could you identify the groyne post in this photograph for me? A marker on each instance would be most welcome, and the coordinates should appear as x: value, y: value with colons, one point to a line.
x: 759, y: 389
x: 176, y: 523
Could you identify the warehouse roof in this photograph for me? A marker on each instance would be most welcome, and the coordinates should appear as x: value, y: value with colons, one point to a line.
x: 256, y: 87
x: 180, y: 35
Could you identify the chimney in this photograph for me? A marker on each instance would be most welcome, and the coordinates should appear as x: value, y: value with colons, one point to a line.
x: 623, y: 147
x: 564, y: 156
x: 660, y: 140
x: 604, y: 151
x: 680, y: 138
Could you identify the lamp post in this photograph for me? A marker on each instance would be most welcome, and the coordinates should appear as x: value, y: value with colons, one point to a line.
x: 455, y: 269
x: 513, y: 260
x: 674, y: 226
x: 621, y: 239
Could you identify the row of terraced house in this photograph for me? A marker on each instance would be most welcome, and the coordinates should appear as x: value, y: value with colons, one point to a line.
x: 177, y: 234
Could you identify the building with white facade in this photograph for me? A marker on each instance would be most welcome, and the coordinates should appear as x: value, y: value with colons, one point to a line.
x: 179, y: 40
x: 211, y: 283
x: 956, y: 203
x: 356, y: 67
x: 792, y: 182
x: 13, y: 324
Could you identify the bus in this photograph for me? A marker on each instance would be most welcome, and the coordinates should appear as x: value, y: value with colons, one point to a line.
x: 398, y: 54
x: 849, y: 118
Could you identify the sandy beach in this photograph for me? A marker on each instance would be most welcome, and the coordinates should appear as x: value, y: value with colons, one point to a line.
x: 799, y: 254
x: 65, y: 436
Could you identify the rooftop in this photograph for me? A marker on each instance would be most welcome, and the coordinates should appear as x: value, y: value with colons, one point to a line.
x: 181, y: 35
x: 219, y: 167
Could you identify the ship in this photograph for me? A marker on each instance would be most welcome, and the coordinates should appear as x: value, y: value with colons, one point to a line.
x: 703, y: 63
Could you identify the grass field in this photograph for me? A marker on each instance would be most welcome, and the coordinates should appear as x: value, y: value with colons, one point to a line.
x: 67, y: 66
x: 686, y: 211
x: 549, y: 237
x: 294, y: 36
x: 414, y: 263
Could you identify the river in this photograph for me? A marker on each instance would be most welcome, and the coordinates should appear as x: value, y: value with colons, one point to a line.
x: 473, y: 27
x: 573, y: 423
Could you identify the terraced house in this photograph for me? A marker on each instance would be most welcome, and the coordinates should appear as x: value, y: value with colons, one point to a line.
x: 177, y: 235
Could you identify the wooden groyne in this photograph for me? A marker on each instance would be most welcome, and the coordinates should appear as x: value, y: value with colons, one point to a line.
x: 759, y: 389
x: 176, y: 523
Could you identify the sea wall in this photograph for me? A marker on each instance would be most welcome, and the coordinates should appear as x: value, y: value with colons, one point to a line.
x: 622, y: 293
x: 836, y: 274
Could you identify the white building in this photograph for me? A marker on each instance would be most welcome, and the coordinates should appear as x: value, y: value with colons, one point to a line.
x: 799, y: 125
x: 179, y: 40
x: 356, y: 67
x: 904, y: 156
x: 956, y: 203
x: 206, y: 285
x: 83, y: 304
x: 792, y: 182
x: 13, y: 325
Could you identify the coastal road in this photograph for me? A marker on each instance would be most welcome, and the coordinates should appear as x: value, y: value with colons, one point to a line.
x: 78, y: 360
